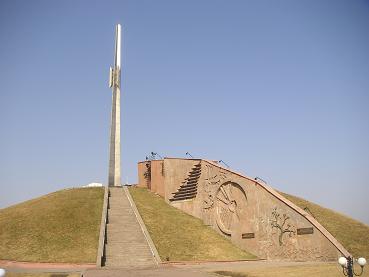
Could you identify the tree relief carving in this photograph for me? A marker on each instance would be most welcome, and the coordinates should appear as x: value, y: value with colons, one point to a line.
x: 212, y: 182
x: 282, y: 225
x: 230, y: 202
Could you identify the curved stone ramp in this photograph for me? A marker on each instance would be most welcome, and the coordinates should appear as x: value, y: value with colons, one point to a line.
x: 126, y: 244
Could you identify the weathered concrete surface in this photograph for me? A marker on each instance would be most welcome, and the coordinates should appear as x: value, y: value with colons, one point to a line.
x: 114, y: 159
x: 100, y: 249
x: 148, y: 272
x: 126, y: 245
x: 166, y: 270
x: 157, y: 177
x: 144, y: 175
x: 250, y: 213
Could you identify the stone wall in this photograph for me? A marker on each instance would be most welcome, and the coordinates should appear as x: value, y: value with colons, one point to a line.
x: 157, y: 177
x: 144, y: 174
x: 251, y: 214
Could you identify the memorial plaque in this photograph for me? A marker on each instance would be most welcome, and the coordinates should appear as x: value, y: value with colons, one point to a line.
x: 248, y: 235
x: 305, y: 231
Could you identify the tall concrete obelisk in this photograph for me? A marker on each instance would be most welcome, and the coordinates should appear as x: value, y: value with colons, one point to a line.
x: 114, y: 83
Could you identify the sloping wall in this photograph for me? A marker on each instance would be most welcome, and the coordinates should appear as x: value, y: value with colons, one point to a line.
x: 251, y: 214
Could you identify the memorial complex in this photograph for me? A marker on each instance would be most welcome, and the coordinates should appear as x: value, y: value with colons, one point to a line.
x: 244, y: 212
x: 248, y: 212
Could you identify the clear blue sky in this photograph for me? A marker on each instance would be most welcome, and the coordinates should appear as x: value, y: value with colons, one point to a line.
x: 277, y: 89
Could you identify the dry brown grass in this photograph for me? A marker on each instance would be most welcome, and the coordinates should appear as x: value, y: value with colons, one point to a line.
x: 321, y: 270
x: 353, y: 234
x: 59, y: 227
x: 179, y: 236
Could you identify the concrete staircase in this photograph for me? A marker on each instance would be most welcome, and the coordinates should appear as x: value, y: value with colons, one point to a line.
x: 125, y: 244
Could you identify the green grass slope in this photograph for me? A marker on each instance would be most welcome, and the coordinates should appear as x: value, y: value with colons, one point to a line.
x: 352, y: 234
x: 179, y: 236
x: 62, y: 226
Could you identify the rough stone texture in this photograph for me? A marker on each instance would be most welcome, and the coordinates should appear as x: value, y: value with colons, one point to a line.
x: 114, y: 160
x: 144, y: 175
x: 157, y: 177
x: 125, y: 244
x: 165, y: 271
x: 253, y: 215
x: 101, y: 245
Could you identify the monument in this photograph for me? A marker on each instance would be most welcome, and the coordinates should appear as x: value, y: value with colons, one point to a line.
x: 250, y: 213
x: 114, y: 83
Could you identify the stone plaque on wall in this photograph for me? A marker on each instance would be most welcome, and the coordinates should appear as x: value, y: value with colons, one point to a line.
x: 305, y: 231
x: 248, y: 235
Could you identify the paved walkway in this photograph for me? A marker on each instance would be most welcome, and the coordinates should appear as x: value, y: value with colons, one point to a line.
x: 146, y: 272
x: 193, y: 270
x: 126, y: 245
x: 169, y: 270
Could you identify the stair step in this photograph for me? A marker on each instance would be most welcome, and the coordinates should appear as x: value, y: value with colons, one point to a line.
x: 119, y: 263
x: 188, y: 186
x: 192, y: 178
x: 186, y: 189
x: 121, y: 216
x: 144, y: 252
x: 191, y: 182
x: 182, y: 198
x: 183, y: 193
x: 119, y: 205
x: 122, y: 231
x: 195, y: 173
x: 130, y: 257
x: 121, y: 213
x: 125, y: 243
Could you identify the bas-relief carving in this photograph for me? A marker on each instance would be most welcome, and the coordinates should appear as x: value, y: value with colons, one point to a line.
x: 290, y: 251
x: 212, y: 182
x: 279, y: 226
x: 230, y: 203
x: 223, y: 203
x: 282, y: 225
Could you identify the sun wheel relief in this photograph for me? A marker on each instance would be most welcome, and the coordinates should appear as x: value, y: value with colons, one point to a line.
x: 231, y: 202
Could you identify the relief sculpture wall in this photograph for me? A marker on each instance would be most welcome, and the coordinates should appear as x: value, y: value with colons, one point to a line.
x: 250, y: 214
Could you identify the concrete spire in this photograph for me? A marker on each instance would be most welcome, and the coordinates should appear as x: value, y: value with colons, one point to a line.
x: 114, y: 83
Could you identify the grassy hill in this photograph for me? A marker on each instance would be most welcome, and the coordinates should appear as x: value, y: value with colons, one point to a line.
x: 62, y: 226
x: 353, y: 234
x: 179, y: 236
